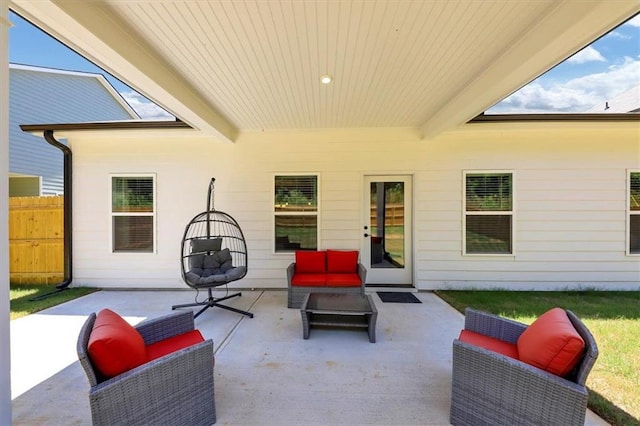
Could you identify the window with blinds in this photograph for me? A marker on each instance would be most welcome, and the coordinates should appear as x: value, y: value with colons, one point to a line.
x: 295, y: 207
x: 634, y: 212
x: 488, y: 213
x: 133, y: 213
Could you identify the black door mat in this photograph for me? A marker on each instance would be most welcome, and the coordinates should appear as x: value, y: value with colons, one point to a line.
x: 397, y: 297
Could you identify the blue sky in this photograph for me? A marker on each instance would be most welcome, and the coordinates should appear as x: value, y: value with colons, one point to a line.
x: 608, y: 67
x: 28, y: 45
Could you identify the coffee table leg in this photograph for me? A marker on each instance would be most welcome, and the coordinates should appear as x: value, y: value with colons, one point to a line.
x: 373, y: 317
x: 371, y: 328
x: 305, y: 324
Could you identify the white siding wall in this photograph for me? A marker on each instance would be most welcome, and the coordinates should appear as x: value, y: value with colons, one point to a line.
x: 570, y: 194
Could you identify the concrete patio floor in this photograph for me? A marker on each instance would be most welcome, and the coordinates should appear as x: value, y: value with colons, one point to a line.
x: 265, y: 373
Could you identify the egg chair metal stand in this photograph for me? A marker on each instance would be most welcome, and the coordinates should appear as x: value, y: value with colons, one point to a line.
x: 213, y: 253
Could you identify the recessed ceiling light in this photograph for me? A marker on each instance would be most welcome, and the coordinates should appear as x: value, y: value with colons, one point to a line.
x: 326, y: 79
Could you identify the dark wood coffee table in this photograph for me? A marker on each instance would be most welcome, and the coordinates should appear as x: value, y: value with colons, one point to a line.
x: 339, y: 310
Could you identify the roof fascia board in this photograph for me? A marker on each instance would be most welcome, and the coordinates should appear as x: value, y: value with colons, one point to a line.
x: 110, y: 130
x: 558, y: 31
x: 82, y: 26
x: 587, y: 117
x: 105, y: 125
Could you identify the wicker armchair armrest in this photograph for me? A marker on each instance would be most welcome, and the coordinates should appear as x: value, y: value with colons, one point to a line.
x: 155, y: 329
x: 483, y: 380
x: 291, y: 270
x: 590, y: 349
x: 493, y: 326
x: 160, y: 392
x: 362, y: 273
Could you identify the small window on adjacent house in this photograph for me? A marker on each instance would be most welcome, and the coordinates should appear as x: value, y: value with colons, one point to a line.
x: 133, y: 213
x: 488, y: 213
x: 295, y: 212
x: 634, y: 212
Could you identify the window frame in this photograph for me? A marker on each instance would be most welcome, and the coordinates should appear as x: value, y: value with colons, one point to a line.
x: 275, y: 213
x: 511, y: 212
x: 630, y: 213
x: 152, y: 214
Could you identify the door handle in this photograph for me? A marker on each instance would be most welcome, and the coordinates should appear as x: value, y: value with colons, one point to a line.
x: 366, y: 235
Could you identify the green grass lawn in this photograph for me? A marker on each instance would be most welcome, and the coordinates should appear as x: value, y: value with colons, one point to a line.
x: 20, y: 295
x: 614, y: 321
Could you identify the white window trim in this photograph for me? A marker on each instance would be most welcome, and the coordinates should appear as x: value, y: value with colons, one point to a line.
x: 112, y: 214
x: 630, y: 213
x: 274, y: 213
x: 489, y: 213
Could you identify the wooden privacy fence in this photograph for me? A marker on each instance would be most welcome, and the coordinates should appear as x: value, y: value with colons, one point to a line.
x: 394, y: 214
x: 36, y: 240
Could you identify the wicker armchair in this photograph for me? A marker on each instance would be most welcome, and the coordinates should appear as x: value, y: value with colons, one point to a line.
x: 176, y: 389
x: 492, y: 389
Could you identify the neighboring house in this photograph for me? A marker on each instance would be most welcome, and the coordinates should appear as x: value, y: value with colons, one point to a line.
x: 39, y: 95
x: 536, y: 202
x: 628, y: 101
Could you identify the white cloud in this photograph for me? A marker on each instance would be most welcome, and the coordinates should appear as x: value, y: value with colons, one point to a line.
x: 588, y: 54
x: 146, y: 110
x: 576, y: 95
x: 619, y: 35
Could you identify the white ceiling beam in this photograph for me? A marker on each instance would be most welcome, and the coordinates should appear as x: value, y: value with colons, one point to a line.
x: 89, y: 28
x: 557, y: 32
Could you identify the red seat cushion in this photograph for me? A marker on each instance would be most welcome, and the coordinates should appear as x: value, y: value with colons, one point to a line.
x: 309, y: 280
x: 343, y: 280
x: 490, y: 343
x: 342, y: 261
x: 310, y: 262
x: 551, y: 343
x: 115, y: 346
x: 172, y: 344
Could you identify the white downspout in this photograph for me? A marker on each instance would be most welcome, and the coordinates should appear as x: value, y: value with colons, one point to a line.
x: 5, y: 341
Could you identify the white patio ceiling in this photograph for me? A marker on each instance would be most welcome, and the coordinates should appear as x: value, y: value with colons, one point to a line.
x: 230, y: 66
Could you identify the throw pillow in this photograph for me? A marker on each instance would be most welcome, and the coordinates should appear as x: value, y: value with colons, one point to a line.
x: 226, y: 262
x: 342, y: 261
x: 206, y: 245
x: 310, y: 262
x: 196, y: 260
x: 551, y: 343
x: 115, y: 346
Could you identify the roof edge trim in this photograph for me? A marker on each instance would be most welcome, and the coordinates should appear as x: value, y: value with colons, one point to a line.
x: 493, y: 118
x: 107, y: 125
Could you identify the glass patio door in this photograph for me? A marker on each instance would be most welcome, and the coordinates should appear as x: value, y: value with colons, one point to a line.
x: 386, y: 235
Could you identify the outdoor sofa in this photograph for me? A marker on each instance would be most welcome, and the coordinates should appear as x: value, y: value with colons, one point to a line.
x: 508, y: 373
x: 324, y: 271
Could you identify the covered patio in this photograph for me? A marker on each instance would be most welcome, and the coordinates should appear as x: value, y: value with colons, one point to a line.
x: 265, y: 372
x: 244, y: 81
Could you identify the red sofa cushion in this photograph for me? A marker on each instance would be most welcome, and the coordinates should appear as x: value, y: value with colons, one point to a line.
x: 115, y: 346
x: 172, y: 344
x: 310, y: 262
x: 343, y: 280
x: 342, y: 261
x: 551, y: 343
x: 309, y: 280
x: 490, y: 343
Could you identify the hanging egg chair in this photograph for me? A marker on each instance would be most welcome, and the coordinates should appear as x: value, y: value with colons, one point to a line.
x: 213, y: 253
